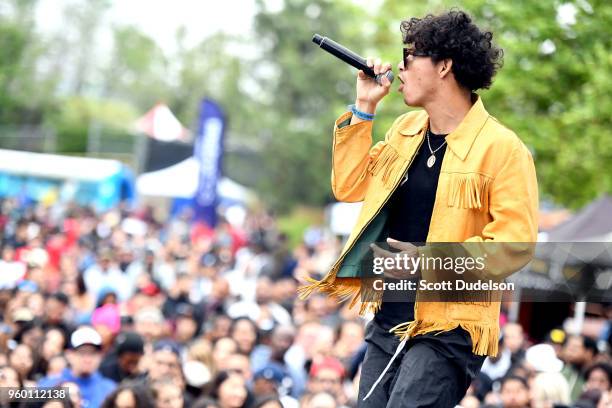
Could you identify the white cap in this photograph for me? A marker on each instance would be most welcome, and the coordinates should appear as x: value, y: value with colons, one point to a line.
x: 85, y: 335
x: 543, y: 359
x: 196, y: 373
x: 149, y: 314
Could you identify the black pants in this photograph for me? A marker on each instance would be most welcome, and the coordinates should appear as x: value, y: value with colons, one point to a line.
x: 433, y: 370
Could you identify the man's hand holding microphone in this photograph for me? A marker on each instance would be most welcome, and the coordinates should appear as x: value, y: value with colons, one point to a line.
x: 373, y: 78
x: 369, y: 92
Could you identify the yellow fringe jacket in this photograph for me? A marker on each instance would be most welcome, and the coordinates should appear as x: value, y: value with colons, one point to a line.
x: 487, y: 193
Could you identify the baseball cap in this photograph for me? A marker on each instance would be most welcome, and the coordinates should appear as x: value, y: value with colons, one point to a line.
x: 542, y: 358
x: 36, y: 257
x: 196, y: 373
x: 23, y: 314
x: 167, y: 345
x: 329, y: 363
x: 185, y: 310
x: 208, y: 260
x: 270, y: 372
x: 27, y: 286
x: 85, y: 335
x: 150, y: 289
x: 129, y: 342
x: 108, y: 316
x: 149, y: 314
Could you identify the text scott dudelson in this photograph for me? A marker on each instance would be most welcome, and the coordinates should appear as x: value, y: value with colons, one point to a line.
x: 406, y: 284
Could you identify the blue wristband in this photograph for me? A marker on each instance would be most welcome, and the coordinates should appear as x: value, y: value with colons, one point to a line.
x: 361, y: 115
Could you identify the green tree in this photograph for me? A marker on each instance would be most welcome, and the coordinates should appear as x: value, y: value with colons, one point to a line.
x: 25, y: 91
x: 303, y: 90
x: 83, y: 21
x: 138, y: 69
x: 282, y: 94
x: 72, y: 121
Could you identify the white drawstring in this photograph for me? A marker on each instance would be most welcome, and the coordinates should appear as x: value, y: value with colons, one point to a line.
x: 397, y: 351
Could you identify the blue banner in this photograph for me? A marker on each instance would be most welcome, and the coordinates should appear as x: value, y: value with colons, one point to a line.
x: 209, y: 153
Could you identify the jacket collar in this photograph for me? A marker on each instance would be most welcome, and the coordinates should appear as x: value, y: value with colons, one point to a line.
x: 460, y: 140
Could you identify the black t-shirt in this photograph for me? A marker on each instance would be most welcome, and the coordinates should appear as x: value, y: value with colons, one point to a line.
x: 410, y: 208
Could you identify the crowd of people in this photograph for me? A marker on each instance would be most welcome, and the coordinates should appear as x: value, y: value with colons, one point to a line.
x: 566, y: 370
x: 125, y: 311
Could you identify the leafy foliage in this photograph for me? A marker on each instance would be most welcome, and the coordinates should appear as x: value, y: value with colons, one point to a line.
x: 282, y: 94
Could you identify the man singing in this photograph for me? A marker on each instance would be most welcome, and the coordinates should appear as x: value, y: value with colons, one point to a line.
x: 448, y: 172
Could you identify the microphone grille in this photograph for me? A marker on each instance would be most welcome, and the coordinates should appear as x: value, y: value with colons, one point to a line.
x: 390, y: 76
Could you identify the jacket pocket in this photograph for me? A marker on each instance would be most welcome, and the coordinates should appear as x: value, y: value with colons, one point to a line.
x: 384, y: 161
x: 468, y: 191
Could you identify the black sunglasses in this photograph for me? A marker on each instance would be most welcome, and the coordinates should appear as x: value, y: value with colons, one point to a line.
x: 409, y: 51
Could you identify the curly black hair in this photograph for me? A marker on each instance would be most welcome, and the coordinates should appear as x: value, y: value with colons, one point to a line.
x: 453, y: 35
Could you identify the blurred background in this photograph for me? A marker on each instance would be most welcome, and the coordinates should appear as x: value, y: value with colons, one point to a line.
x: 164, y: 177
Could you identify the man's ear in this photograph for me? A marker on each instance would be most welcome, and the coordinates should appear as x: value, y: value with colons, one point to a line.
x: 444, y: 67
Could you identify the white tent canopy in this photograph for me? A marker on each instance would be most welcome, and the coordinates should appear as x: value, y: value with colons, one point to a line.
x: 57, y: 167
x: 181, y: 181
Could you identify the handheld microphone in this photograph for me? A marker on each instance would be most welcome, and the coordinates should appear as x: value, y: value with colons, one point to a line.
x: 349, y: 57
